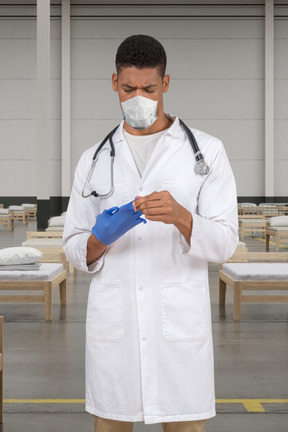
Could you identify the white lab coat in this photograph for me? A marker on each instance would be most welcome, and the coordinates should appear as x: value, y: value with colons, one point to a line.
x: 149, y: 353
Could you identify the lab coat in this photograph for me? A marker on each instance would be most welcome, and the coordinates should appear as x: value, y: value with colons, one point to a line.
x: 149, y: 352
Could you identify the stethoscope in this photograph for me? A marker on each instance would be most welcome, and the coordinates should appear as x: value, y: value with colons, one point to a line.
x: 200, y: 167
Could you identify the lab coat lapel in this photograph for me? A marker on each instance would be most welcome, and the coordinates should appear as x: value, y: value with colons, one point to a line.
x: 165, y: 149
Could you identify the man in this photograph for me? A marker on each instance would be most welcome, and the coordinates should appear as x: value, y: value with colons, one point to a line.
x: 149, y: 354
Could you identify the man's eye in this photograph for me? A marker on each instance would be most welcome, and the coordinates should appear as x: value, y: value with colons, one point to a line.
x: 149, y: 91
x: 128, y: 91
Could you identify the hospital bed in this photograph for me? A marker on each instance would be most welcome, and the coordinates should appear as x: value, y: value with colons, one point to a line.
x: 247, y: 208
x: 252, y: 225
x: 46, y: 241
x: 19, y: 213
x: 50, y: 275
x: 254, y: 271
x: 278, y: 228
x: 6, y: 219
x: 31, y: 209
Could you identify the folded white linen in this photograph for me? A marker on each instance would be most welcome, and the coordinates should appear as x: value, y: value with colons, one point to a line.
x: 20, y: 267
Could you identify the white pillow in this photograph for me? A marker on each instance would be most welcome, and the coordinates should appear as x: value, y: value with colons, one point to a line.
x: 15, y: 207
x: 4, y: 211
x: 28, y: 205
x: 281, y: 221
x: 247, y: 204
x: 57, y: 221
x: 19, y: 255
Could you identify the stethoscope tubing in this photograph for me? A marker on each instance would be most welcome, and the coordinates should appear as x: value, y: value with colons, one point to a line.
x: 197, y: 154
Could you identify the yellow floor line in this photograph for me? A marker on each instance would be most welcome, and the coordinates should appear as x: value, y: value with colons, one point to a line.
x: 271, y: 242
x: 251, y: 405
x: 44, y: 401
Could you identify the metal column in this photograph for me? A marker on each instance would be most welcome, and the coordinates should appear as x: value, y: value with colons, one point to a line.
x: 43, y: 111
x: 269, y: 98
x: 65, y: 144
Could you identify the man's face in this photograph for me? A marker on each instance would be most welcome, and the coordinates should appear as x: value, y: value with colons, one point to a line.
x: 147, y: 82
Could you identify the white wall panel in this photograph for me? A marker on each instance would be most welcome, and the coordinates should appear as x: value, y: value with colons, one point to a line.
x: 86, y: 133
x: 243, y: 139
x: 281, y: 58
x: 55, y: 103
x: 55, y: 59
x: 281, y: 28
x: 17, y: 139
x: 94, y: 99
x: 281, y: 139
x: 180, y: 28
x: 281, y: 177
x: 55, y: 139
x: 18, y: 178
x: 25, y: 28
x: 188, y: 58
x: 55, y: 177
x: 281, y: 99
x: 17, y: 99
x: 216, y: 99
x: 19, y: 57
x: 249, y: 176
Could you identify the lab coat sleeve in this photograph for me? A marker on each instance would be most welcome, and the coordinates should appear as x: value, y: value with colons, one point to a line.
x: 214, y: 235
x: 80, y: 218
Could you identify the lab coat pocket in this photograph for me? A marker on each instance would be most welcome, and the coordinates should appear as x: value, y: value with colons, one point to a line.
x: 104, y: 313
x: 184, y: 311
x: 185, y: 192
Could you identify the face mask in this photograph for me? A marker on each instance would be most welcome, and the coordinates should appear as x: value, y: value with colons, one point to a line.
x: 139, y: 112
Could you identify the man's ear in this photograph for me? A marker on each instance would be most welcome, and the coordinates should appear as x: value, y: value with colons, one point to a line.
x: 165, y: 83
x: 115, y: 82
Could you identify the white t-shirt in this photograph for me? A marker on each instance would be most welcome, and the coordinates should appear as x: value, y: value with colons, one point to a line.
x: 141, y: 147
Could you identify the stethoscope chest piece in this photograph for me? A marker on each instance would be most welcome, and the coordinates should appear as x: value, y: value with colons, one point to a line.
x: 201, y: 168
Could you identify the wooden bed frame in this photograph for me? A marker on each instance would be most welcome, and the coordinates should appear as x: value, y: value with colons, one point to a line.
x: 46, y: 286
x: 239, y: 285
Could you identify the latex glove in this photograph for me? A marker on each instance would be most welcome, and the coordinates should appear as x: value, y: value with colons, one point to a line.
x: 113, y: 223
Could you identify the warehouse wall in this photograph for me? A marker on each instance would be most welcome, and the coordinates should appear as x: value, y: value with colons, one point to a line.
x: 216, y: 63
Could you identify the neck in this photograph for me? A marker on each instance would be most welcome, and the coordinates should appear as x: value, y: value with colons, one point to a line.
x: 160, y: 124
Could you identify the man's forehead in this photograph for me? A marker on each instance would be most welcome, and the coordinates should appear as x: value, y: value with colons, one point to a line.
x: 143, y: 76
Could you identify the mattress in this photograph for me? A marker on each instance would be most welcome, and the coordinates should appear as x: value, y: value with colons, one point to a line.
x: 44, y: 243
x: 257, y: 271
x: 47, y: 271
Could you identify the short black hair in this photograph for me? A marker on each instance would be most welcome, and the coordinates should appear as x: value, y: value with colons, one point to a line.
x: 141, y: 51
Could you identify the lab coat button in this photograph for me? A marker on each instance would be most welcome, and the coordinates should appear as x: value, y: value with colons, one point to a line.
x: 139, y: 238
x: 141, y: 189
x: 140, y: 288
x: 144, y: 338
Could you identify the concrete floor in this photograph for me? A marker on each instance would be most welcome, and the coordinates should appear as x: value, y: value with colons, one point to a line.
x: 45, y: 360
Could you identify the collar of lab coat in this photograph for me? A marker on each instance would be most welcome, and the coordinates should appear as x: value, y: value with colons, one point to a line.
x: 174, y: 130
x: 155, y: 162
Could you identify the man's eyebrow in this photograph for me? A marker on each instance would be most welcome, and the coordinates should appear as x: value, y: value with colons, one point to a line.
x: 146, y: 87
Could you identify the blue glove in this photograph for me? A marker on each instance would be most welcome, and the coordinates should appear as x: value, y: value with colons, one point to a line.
x: 113, y: 223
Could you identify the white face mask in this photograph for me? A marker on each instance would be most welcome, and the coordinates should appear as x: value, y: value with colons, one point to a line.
x: 139, y: 112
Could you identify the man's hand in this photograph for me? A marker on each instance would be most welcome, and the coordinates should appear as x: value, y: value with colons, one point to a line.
x: 162, y: 207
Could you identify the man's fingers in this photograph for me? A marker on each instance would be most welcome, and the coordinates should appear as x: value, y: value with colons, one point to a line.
x: 140, y: 200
